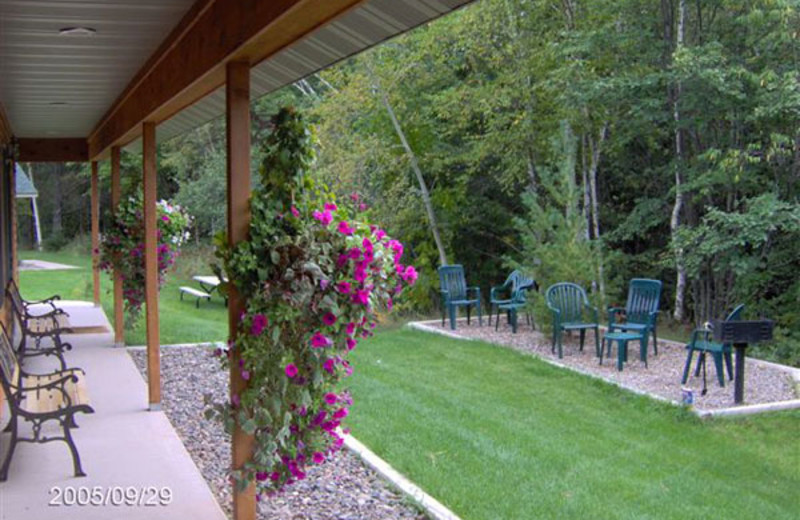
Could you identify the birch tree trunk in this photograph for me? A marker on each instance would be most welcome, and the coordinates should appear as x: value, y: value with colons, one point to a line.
x: 412, y: 158
x: 595, y: 163
x: 675, y: 220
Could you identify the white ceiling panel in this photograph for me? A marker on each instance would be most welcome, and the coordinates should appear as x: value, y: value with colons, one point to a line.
x: 54, y: 85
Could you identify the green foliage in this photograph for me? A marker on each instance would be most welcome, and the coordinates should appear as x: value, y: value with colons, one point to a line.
x: 314, y: 279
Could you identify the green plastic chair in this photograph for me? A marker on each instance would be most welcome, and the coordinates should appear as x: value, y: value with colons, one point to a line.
x: 511, y: 293
x: 701, y: 343
x: 455, y: 293
x: 640, y: 311
x: 571, y: 311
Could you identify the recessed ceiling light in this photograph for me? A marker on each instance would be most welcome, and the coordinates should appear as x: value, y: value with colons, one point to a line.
x: 77, y: 31
x: 58, y: 103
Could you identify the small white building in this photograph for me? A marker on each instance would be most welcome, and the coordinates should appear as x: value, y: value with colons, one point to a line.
x: 26, y: 190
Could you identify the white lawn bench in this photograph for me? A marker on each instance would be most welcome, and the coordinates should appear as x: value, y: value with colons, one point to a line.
x: 197, y: 293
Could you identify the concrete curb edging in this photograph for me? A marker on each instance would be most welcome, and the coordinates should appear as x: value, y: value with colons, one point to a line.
x: 433, y: 507
x: 204, y: 344
x: 700, y: 412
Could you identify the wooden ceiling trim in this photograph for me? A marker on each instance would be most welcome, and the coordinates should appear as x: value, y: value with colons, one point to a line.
x: 192, y: 64
x: 53, y: 150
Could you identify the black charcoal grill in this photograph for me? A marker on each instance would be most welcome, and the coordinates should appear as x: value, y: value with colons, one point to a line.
x: 741, y: 334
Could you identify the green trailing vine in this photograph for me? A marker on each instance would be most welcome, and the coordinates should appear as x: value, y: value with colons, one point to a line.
x: 314, y: 275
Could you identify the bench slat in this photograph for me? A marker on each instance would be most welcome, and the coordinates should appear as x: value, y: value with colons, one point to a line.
x: 46, y: 401
x: 195, y: 292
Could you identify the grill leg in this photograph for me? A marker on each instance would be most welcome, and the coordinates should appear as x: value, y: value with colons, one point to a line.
x: 738, y: 392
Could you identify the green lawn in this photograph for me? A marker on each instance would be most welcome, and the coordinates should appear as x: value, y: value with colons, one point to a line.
x: 180, y: 321
x: 494, y: 434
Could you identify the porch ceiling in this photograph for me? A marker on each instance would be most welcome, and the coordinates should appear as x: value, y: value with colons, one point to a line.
x: 62, y: 86
x: 55, y: 85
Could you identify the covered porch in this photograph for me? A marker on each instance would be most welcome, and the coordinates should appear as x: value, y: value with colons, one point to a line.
x: 136, y: 464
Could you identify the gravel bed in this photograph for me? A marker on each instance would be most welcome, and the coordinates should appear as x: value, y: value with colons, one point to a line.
x: 341, y: 489
x: 662, y: 377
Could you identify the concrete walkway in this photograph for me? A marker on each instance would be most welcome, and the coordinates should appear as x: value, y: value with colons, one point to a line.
x: 137, y: 466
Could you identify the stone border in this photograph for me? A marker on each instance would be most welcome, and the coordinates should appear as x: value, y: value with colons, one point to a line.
x: 432, y: 507
x: 702, y: 413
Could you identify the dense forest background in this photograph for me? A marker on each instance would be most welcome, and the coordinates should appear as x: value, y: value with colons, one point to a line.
x: 590, y: 141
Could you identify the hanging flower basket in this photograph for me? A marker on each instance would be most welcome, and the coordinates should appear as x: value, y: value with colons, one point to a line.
x: 122, y: 247
x: 314, y: 275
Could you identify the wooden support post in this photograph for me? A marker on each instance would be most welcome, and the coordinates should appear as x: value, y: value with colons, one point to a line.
x: 151, y: 265
x: 14, y: 244
x: 95, y: 203
x: 237, y: 98
x: 119, y: 317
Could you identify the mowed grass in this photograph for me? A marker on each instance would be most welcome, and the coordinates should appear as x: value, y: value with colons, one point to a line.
x: 495, y: 434
x: 180, y: 321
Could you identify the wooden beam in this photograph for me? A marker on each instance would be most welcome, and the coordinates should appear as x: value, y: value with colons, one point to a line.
x: 95, y: 205
x: 5, y: 126
x: 151, y: 265
x: 237, y: 117
x: 119, y: 318
x: 190, y: 64
x: 67, y: 149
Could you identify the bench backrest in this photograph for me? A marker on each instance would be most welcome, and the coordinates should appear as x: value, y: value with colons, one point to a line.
x: 17, y: 304
x: 451, y: 279
x: 644, y: 296
x: 9, y: 366
x: 569, y: 299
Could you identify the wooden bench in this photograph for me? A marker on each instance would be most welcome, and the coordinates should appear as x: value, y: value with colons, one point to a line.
x: 196, y: 293
x: 36, y: 327
x: 39, y: 398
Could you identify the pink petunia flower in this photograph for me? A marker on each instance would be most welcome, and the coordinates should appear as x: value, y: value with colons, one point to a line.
x: 329, y: 318
x: 351, y: 343
x: 344, y: 287
x: 259, y: 323
x: 330, y: 206
x: 324, y: 217
x: 360, y: 274
x: 345, y: 229
x: 331, y: 398
x: 329, y: 366
x: 318, y: 340
x: 410, y: 275
x: 361, y: 296
x: 341, y: 413
x: 295, y: 212
x: 291, y: 370
x: 351, y: 328
x: 380, y: 234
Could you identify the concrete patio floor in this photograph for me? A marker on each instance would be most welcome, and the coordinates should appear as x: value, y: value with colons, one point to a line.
x: 124, y: 447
